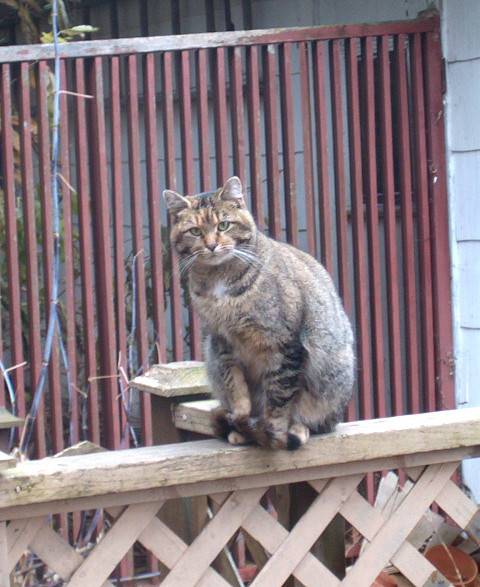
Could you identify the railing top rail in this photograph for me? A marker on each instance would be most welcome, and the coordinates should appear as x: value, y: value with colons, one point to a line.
x: 15, y: 53
x: 171, y: 467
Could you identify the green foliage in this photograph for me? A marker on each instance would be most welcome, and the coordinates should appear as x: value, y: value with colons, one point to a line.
x: 35, y: 16
x: 66, y: 35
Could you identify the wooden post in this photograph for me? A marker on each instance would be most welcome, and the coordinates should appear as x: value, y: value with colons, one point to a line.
x: 330, y: 547
x: 170, y: 384
x: 4, y: 574
x: 7, y: 422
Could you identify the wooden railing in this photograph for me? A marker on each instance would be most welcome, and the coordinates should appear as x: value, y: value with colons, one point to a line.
x: 135, y: 486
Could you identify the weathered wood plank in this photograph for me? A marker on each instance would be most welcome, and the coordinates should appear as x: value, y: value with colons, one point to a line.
x: 260, y: 479
x: 392, y: 535
x: 19, y: 534
x: 368, y: 521
x: 168, y: 548
x: 460, y: 508
x: 195, y: 561
x: 174, y: 379
x: 6, y: 461
x: 410, y: 438
x: 455, y: 503
x: 57, y: 553
x: 81, y: 448
x: 299, y: 541
x: 113, y: 547
x: 270, y: 534
x: 4, y: 574
x: 210, y: 40
x: 8, y: 420
x: 195, y: 416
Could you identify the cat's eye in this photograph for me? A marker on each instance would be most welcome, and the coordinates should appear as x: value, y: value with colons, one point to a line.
x: 195, y: 231
x: 223, y: 225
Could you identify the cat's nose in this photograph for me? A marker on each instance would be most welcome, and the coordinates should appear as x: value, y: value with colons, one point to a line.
x: 211, y: 246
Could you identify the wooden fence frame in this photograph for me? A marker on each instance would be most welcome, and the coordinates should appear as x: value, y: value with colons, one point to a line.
x: 133, y: 485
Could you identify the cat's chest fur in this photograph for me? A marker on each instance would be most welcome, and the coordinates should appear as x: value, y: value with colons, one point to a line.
x: 237, y: 318
x: 219, y: 307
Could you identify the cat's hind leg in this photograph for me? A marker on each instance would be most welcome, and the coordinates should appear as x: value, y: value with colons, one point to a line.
x: 297, y: 435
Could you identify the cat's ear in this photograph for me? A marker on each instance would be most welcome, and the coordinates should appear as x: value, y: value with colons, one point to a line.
x: 233, y: 191
x: 175, y: 202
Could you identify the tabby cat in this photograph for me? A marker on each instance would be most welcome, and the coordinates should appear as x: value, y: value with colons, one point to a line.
x: 278, y: 344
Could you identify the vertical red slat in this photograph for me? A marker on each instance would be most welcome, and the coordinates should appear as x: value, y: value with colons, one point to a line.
x: 86, y: 256
x: 69, y: 269
x: 156, y: 261
x: 288, y: 143
x: 340, y: 192
x: 408, y: 249
x: 137, y: 233
x: 238, y: 134
x: 153, y: 189
x: 437, y: 185
x: 169, y: 145
x: 358, y: 228
x: 103, y: 262
x: 254, y: 140
x: 304, y: 72
x: 423, y: 225
x: 186, y: 123
x: 358, y: 238
x: 202, y: 105
x: 55, y: 420
x: 47, y: 245
x: 371, y: 194
x: 118, y: 234
x: 326, y: 253
x: 33, y: 294
x: 390, y: 227
x: 339, y: 170
x: 8, y: 170
x: 271, y: 143
x: 136, y: 206
x: 220, y: 100
x: 187, y: 172
x: 2, y: 380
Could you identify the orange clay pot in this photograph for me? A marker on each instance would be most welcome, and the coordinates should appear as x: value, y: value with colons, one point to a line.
x: 384, y: 580
x: 462, y: 564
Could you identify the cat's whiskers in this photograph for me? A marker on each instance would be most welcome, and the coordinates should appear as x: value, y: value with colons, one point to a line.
x: 187, y: 262
x: 242, y: 260
x: 247, y: 257
x: 248, y: 251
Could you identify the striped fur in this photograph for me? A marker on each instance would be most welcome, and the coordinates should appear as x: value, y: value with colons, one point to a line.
x: 278, y: 344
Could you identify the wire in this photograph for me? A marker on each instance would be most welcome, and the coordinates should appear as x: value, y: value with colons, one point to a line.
x: 13, y: 403
x: 53, y: 317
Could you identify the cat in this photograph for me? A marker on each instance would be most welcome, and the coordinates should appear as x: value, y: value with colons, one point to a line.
x: 278, y: 344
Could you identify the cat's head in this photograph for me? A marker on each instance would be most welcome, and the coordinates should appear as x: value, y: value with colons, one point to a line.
x: 211, y: 228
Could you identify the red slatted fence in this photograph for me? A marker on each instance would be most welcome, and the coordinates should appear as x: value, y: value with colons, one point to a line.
x: 337, y: 135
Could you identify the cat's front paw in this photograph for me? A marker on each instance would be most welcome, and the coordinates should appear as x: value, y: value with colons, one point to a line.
x: 221, y: 422
x: 254, y: 430
x: 237, y: 439
x: 269, y: 434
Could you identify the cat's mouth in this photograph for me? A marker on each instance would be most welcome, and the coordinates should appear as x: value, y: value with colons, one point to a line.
x: 216, y: 256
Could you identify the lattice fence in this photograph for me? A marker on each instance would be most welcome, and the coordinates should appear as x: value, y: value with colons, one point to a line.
x: 289, y: 552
